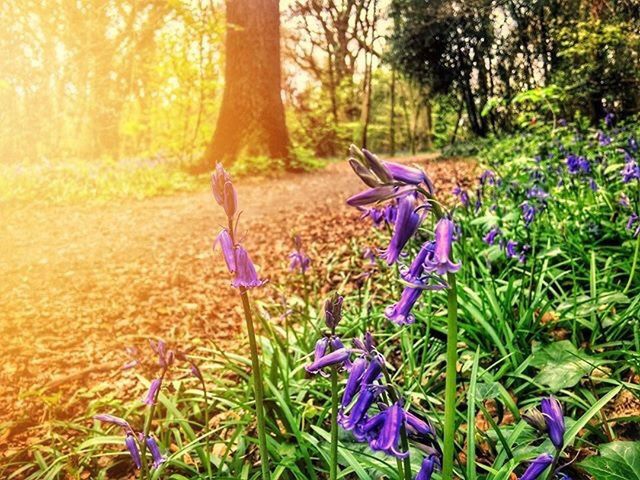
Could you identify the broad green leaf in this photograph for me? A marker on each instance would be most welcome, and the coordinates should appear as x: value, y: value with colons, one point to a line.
x: 617, y: 461
x: 562, y: 365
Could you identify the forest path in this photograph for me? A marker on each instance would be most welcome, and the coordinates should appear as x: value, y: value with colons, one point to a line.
x: 81, y: 283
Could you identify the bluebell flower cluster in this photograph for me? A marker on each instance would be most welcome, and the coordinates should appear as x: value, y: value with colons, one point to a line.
x: 299, y: 260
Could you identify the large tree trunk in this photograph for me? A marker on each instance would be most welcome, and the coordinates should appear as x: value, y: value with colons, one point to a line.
x: 251, y: 120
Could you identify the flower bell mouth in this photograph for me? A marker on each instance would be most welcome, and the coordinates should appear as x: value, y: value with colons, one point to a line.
x: 439, y: 261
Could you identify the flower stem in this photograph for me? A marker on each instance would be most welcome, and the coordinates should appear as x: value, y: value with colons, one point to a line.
x: 333, y: 466
x: 450, y: 384
x: 206, y: 429
x: 258, y: 388
x: 633, y: 265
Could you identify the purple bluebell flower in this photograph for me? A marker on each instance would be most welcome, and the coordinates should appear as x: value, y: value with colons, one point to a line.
x: 406, y: 174
x: 374, y: 369
x: 354, y: 381
x: 195, y: 371
x: 510, y: 248
x: 462, y: 195
x: 407, y: 222
x: 152, y: 393
x: 246, y: 275
x: 603, y: 139
x: 593, y: 185
x: 388, y: 436
x: 414, y: 275
x: 488, y: 177
x: 153, y: 447
x: 577, y: 164
x: 537, y: 467
x: 490, y: 237
x: 107, y: 418
x: 562, y: 122
x: 223, y: 190
x: 416, y: 426
x: 165, y: 356
x: 370, y: 255
x: 427, y: 468
x: 633, y: 144
x: 379, y: 194
x: 439, y: 261
x: 552, y: 411
x: 537, y: 192
x: 358, y: 412
x: 228, y: 249
x: 528, y: 213
x: 336, y: 357
x: 132, y: 446
x: 377, y: 215
x: 390, y: 214
x: 630, y: 171
x: 333, y: 311
x: 299, y: 260
x: 400, y: 312
x: 609, y: 119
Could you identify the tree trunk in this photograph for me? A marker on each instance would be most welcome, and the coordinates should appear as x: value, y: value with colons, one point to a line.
x: 392, y: 116
x: 251, y: 119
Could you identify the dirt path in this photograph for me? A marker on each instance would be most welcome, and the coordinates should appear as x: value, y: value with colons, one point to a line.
x: 81, y: 283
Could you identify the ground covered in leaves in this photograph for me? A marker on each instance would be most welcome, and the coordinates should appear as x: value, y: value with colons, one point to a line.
x: 84, y: 285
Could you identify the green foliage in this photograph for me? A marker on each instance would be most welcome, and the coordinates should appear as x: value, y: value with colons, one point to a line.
x: 617, y: 460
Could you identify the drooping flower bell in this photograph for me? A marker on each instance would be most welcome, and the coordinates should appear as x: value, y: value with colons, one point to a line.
x: 552, y: 411
x: 223, y: 190
x: 384, y: 431
x: 299, y: 259
x: 228, y: 249
x: 400, y: 312
x: 427, y: 468
x: 490, y: 237
x: 537, y: 467
x: 631, y: 171
x: 246, y: 275
x: 152, y: 393
x: 439, y: 261
x: 153, y: 447
x: 132, y: 445
x: 379, y: 194
x: 339, y: 357
x: 354, y: 381
x: 112, y: 419
x: 528, y: 213
x: 410, y: 175
x: 358, y: 411
x: 462, y: 195
x: 406, y: 224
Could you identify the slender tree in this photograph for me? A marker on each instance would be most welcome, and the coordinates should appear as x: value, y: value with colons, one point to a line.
x: 251, y: 120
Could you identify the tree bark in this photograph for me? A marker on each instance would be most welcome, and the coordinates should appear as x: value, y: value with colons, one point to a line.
x: 251, y: 119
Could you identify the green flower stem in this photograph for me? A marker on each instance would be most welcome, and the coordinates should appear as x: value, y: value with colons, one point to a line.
x: 633, y: 265
x: 206, y: 429
x: 258, y: 388
x: 450, y: 383
x: 333, y: 465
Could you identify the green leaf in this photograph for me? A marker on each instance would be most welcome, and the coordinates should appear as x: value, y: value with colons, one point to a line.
x: 617, y: 461
x: 562, y: 365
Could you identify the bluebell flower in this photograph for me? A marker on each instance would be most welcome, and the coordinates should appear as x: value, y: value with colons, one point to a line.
x: 376, y: 215
x: 369, y: 254
x: 427, y: 468
x: 630, y: 171
x: 358, y: 411
x: 593, y: 185
x: 107, y: 418
x: 223, y: 190
x: 537, y: 192
x: 537, y: 467
x: 488, y: 177
x: 337, y: 357
x: 374, y: 369
x: 562, y: 122
x: 492, y: 234
x: 633, y: 219
x: 383, y: 431
x: 633, y: 144
x: 406, y: 224
x: 400, y: 312
x: 552, y: 411
x: 406, y: 174
x: 511, y: 248
x: 609, y: 119
x: 152, y: 393
x: 379, y: 194
x: 391, y: 213
x: 354, y: 380
x: 528, y: 213
x: 333, y: 310
x: 603, y: 139
x: 153, y: 447
x: 299, y: 259
x: 132, y: 445
x: 577, y: 164
x: 439, y: 260
x: 462, y: 195
x: 228, y: 249
x: 416, y: 426
x: 246, y: 275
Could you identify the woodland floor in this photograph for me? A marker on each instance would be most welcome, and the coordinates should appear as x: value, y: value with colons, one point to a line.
x: 79, y: 284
